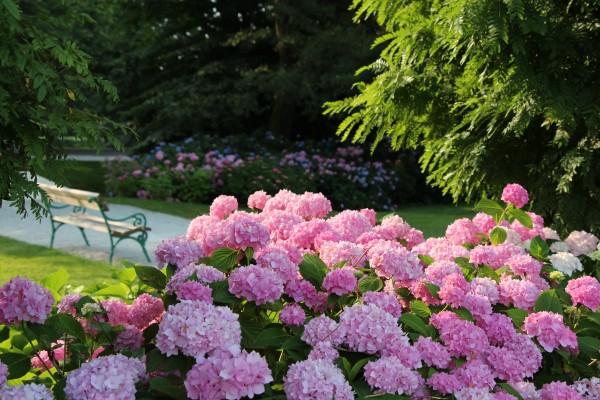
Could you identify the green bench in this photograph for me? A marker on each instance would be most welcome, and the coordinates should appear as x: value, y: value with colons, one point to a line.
x: 118, y: 229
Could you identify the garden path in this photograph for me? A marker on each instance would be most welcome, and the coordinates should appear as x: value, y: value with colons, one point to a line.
x: 68, y: 238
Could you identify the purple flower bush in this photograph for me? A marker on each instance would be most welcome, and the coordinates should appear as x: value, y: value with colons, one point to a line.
x: 284, y: 302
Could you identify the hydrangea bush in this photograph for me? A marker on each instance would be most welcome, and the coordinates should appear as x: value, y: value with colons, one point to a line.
x: 284, y: 303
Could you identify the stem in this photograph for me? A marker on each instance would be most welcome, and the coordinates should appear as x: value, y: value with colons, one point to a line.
x: 36, y: 352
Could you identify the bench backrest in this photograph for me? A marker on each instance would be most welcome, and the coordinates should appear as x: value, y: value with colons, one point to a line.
x: 74, y: 197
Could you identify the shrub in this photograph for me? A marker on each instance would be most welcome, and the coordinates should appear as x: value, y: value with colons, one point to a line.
x: 498, y: 308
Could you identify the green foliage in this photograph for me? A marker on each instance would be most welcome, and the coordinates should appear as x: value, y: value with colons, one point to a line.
x: 494, y: 93
x: 44, y: 85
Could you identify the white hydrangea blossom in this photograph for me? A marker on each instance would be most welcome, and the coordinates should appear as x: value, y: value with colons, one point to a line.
x: 565, y: 262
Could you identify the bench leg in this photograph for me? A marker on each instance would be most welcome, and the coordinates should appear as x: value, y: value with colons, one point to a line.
x: 54, y: 229
x: 84, y: 237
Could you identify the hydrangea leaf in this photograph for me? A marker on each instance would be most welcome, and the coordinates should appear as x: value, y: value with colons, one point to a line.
x: 539, y: 248
x: 498, y: 236
x: 313, y: 269
x: 18, y: 364
x: 371, y: 283
x: 548, y: 301
x: 521, y: 216
x: 224, y: 259
x: 490, y: 207
x: 151, y: 277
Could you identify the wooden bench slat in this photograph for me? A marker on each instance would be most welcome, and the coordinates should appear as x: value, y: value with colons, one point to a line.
x: 74, y: 197
x: 97, y: 224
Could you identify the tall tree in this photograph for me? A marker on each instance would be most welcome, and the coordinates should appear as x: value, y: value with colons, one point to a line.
x: 494, y: 92
x: 226, y: 67
x: 44, y: 82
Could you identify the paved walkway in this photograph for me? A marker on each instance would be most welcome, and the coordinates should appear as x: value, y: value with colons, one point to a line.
x: 69, y: 239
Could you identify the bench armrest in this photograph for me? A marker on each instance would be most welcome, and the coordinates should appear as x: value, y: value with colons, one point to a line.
x: 136, y: 219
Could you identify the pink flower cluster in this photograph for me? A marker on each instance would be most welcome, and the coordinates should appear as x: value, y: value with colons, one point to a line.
x: 515, y: 194
x: 109, y: 377
x: 196, y: 328
x: 21, y: 299
x: 550, y: 331
x: 340, y: 281
x: 228, y: 374
x: 256, y: 284
x: 581, y: 242
x: 389, y: 375
x: 178, y: 251
x: 43, y: 358
x: 30, y: 391
x: 586, y: 291
x: 292, y: 314
x: 222, y: 206
x: 316, y: 380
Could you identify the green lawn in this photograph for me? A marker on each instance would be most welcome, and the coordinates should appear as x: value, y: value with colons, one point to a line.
x: 433, y: 219
x: 35, y: 262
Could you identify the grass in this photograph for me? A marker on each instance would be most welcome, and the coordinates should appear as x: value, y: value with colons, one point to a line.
x: 36, y: 262
x: 434, y: 219
x: 184, y: 210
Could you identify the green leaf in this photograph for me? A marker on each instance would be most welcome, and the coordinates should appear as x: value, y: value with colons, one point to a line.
x: 18, y: 364
x: 339, y: 264
x: 433, y: 289
x: 59, y: 390
x: 271, y: 338
x: 119, y: 290
x: 490, y: 207
x: 370, y: 283
x: 313, y: 269
x: 464, y: 314
x: 426, y: 259
x: 12, y: 9
x: 510, y: 390
x: 357, y: 367
x: 165, y: 387
x: 224, y: 259
x: 68, y: 324
x: 518, y: 316
x: 126, y: 275
x: 415, y: 323
x: 248, y: 254
x: 539, y: 248
x: 151, y: 277
x: 548, y: 301
x: 42, y: 91
x: 488, y: 272
x: 521, y: 216
x: 404, y: 293
x: 498, y: 236
x: 56, y: 281
x: 420, y: 309
x: 464, y: 263
x: 589, y: 345
x: 221, y: 293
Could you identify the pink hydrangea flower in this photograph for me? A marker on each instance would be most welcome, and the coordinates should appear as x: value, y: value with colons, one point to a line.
x: 441, y: 249
x: 524, y: 265
x: 43, y: 358
x: 526, y: 389
x: 585, y: 290
x: 462, y: 338
x: 208, y: 231
x: 350, y: 224
x: 389, y: 375
x: 559, y: 391
x: 581, y: 242
x: 3, y: 374
x: 485, y: 222
x: 444, y: 383
x: 588, y: 388
x: 393, y: 227
x: 316, y: 380
x: 258, y: 199
x: 367, y: 328
x: 322, y: 329
x: 117, y: 311
x: 334, y: 252
x: 393, y: 261
x: 280, y: 201
x: 292, y: 314
x: 256, y: 284
x: 178, y: 251
x: 222, y: 206
x: 370, y: 214
x: 521, y: 293
x: 30, y: 391
x: 433, y: 353
x: 280, y: 223
x: 244, y: 233
x: 515, y: 194
x: 385, y: 301
x: 340, y: 281
x: 205, y: 274
x: 463, y: 231
x: 192, y: 290
x: 21, y: 299
x: 549, y: 330
x: 498, y: 327
x: 475, y: 393
x: 517, y: 359
x: 109, y: 377
x: 195, y: 328
x: 300, y: 290
x: 453, y: 289
x: 310, y: 205
x: 303, y: 234
x: 145, y: 310
x: 324, y: 351
x: 435, y: 274
x: 475, y: 373
x: 485, y: 287
x: 203, y: 382
x: 131, y: 337
x: 67, y: 303
x: 277, y: 259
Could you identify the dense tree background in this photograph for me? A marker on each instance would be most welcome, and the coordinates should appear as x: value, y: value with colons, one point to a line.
x: 226, y: 67
x: 44, y: 83
x: 494, y: 92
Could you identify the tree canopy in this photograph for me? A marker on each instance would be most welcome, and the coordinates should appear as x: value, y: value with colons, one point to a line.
x: 494, y: 92
x: 44, y: 83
